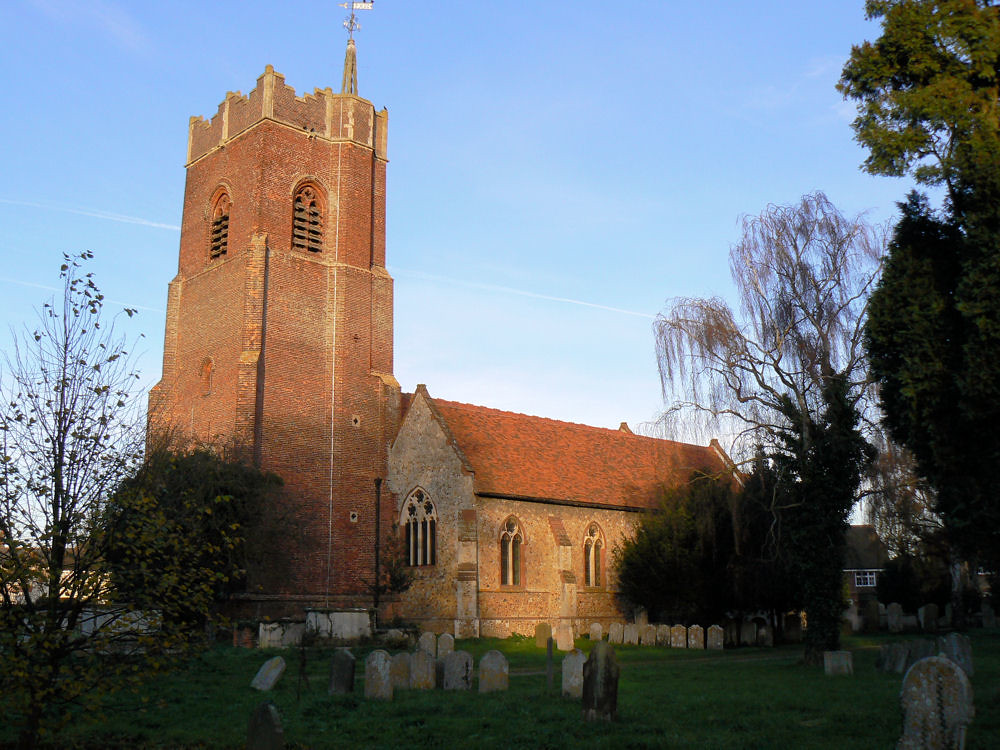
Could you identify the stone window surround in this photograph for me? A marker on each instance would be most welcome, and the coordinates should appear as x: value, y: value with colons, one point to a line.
x: 594, y: 566
x: 512, y: 564
x: 418, y: 519
x: 218, y: 230
x: 308, y: 211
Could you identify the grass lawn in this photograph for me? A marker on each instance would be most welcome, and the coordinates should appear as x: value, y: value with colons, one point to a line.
x: 747, y: 698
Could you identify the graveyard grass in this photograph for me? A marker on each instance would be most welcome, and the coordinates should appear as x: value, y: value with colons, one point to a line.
x: 747, y: 698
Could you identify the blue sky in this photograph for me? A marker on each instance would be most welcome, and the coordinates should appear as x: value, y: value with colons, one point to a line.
x: 558, y: 170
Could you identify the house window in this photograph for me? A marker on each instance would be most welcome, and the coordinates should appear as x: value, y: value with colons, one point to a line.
x: 219, y: 235
x: 511, y: 542
x: 864, y: 578
x: 419, y: 520
x: 593, y: 547
x: 307, y: 224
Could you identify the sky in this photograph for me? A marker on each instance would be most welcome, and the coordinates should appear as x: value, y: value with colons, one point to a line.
x: 558, y: 170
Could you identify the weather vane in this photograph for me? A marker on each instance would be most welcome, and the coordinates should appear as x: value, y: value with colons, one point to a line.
x: 351, y: 24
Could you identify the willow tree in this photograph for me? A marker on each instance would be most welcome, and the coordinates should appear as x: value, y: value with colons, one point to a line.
x: 784, y: 370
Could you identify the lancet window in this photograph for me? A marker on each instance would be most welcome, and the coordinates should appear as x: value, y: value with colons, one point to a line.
x: 511, y: 542
x: 419, y: 519
x: 593, y: 547
x: 307, y: 224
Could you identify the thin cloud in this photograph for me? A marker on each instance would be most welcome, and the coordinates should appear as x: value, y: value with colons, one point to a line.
x: 94, y: 213
x: 108, y: 18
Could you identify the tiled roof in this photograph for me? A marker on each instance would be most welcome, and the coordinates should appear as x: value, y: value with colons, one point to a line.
x: 516, y: 455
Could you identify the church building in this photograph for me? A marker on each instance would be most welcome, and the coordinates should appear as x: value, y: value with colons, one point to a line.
x: 279, y: 338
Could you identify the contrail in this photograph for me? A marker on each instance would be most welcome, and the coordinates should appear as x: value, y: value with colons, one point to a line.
x: 121, y: 218
x: 5, y: 280
x: 520, y: 292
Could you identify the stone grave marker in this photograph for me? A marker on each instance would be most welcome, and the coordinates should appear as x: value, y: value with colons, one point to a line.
x: 422, y: 670
x: 937, y: 705
x: 678, y: 637
x: 269, y: 674
x: 428, y: 644
x: 696, y: 637
x: 792, y: 631
x: 494, y: 673
x: 731, y: 633
x: 399, y: 671
x: 892, y: 658
x: 894, y: 617
x: 342, y: 672
x: 543, y: 631
x: 396, y: 637
x: 596, y: 631
x: 838, y: 662
x: 648, y: 637
x: 928, y: 617
x: 663, y: 635
x: 919, y: 649
x: 457, y: 671
x: 616, y: 632
x: 989, y: 616
x: 564, y: 637
x: 765, y: 635
x: 446, y: 644
x: 600, y: 684
x: 265, y: 731
x: 631, y: 635
x: 716, y: 638
x: 958, y: 648
x: 748, y: 633
x: 378, y: 677
x: 572, y: 673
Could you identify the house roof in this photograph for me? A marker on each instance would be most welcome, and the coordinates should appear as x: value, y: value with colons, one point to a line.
x: 865, y: 550
x: 521, y: 456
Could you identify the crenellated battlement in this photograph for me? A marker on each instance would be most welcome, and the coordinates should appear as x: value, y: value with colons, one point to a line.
x: 321, y: 114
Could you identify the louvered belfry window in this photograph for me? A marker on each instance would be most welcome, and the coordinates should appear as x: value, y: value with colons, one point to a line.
x: 219, y: 243
x: 307, y: 226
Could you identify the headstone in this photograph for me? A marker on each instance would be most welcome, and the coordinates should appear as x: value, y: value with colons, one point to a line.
x: 871, y: 616
x: 396, y: 637
x: 428, y: 644
x: 731, y: 633
x: 422, y: 670
x: 572, y: 673
x: 716, y: 638
x: 678, y: 637
x: 928, y: 617
x: 919, y: 649
x: 269, y: 674
x: 892, y: 658
x: 989, y: 616
x: 838, y: 662
x: 631, y: 636
x: 265, y: 731
x: 792, y: 630
x: 342, y: 672
x: 937, y: 705
x: 600, y: 684
x: 378, y: 679
x: 596, y: 631
x: 446, y: 644
x: 564, y: 637
x: 641, y: 617
x: 616, y: 632
x: 748, y: 633
x: 765, y: 635
x: 958, y: 648
x: 543, y: 631
x: 662, y: 635
x: 457, y: 671
x: 399, y: 671
x: 696, y: 637
x: 494, y: 674
x: 894, y: 616
x: 648, y: 637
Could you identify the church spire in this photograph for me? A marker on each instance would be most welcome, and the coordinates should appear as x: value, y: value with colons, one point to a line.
x: 349, y: 85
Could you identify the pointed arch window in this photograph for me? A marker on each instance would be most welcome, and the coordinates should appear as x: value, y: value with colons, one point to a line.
x: 219, y: 233
x: 511, y: 543
x: 419, y: 520
x: 307, y: 222
x: 593, y: 548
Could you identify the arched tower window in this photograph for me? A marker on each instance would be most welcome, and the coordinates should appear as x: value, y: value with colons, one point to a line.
x: 593, y: 548
x: 219, y: 234
x: 419, y: 519
x: 307, y: 222
x: 511, y: 542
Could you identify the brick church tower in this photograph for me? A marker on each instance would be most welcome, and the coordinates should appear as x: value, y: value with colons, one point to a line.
x: 279, y: 322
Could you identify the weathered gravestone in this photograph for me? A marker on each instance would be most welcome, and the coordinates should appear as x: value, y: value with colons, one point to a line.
x: 396, y: 638
x: 265, y: 731
x: 494, y: 673
x: 572, y: 673
x: 631, y: 635
x: 937, y: 705
x: 543, y: 631
x: 378, y: 677
x: 892, y: 658
x: 564, y: 637
x: 919, y: 649
x: 716, y: 638
x: 958, y: 648
x: 399, y: 671
x: 765, y: 634
x: 428, y: 644
x: 894, y: 617
x: 457, y: 671
x: 648, y: 637
x: 662, y: 635
x: 422, y: 670
x: 696, y: 637
x: 616, y: 632
x: 342, y: 672
x: 748, y: 633
x: 446, y: 644
x: 600, y: 684
x: 596, y: 631
x: 928, y: 617
x: 678, y: 637
x: 791, y: 631
x: 989, y: 616
x: 269, y: 674
x: 838, y: 662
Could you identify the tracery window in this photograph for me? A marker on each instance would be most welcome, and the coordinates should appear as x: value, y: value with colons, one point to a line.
x: 307, y: 224
x: 219, y: 233
x: 593, y: 546
x: 419, y: 519
x: 511, y: 542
